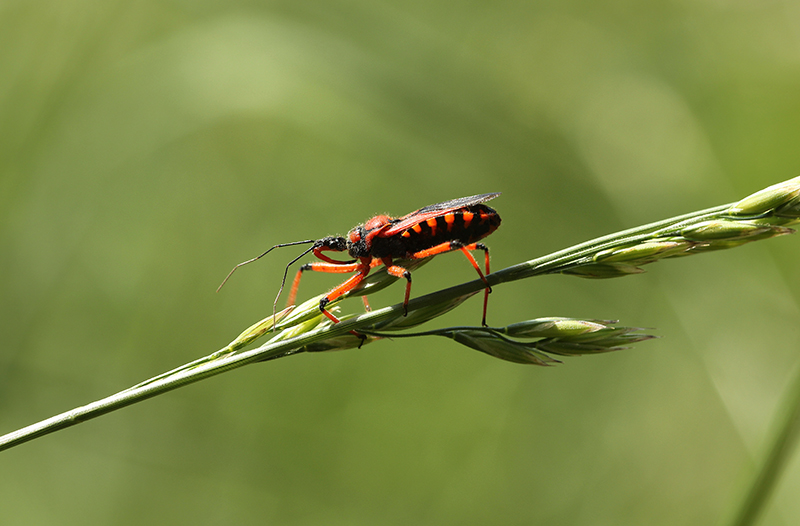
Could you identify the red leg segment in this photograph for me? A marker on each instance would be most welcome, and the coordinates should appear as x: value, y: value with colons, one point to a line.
x: 347, y: 286
x: 449, y: 246
x: 399, y: 272
x: 337, y: 268
x: 363, y: 267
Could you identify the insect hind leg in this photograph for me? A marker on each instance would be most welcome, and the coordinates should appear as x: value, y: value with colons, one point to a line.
x: 450, y: 246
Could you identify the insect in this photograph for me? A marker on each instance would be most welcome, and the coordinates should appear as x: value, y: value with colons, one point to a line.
x: 435, y: 229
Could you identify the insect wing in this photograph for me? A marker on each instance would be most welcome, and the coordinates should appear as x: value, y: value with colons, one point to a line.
x: 439, y: 209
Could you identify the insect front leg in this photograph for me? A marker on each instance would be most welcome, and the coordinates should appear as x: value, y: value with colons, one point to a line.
x: 363, y: 268
x: 337, y: 268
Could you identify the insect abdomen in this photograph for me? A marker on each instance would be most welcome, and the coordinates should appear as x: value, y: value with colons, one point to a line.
x: 467, y: 225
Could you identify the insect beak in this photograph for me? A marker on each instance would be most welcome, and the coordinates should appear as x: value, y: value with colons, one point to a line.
x: 337, y: 244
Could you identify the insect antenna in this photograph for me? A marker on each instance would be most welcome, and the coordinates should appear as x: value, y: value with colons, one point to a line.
x: 267, y: 252
x: 286, y: 273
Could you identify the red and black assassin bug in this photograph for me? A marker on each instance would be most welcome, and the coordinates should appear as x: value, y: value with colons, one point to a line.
x: 429, y: 231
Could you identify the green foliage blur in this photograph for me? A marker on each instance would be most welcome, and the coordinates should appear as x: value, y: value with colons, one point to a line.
x: 147, y: 147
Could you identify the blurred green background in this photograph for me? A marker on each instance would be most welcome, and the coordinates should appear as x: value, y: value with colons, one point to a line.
x: 146, y: 147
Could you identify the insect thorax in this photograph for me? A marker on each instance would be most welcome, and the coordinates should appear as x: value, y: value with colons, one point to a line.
x: 358, y: 249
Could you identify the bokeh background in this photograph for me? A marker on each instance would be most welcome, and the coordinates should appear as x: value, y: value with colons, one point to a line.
x: 146, y: 147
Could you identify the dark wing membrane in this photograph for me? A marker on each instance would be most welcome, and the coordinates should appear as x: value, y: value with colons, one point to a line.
x: 426, y: 212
